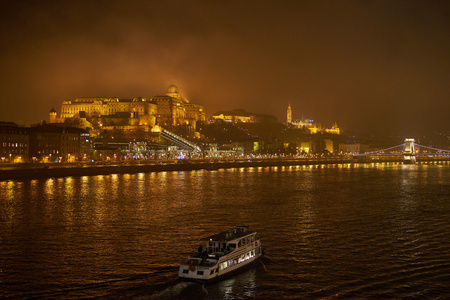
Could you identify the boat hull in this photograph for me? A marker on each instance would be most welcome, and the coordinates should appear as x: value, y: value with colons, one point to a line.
x: 225, y: 275
x: 212, y: 273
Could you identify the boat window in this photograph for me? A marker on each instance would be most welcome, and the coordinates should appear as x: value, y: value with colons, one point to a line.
x: 199, y: 272
x: 241, y: 258
x: 212, y: 271
x: 185, y: 271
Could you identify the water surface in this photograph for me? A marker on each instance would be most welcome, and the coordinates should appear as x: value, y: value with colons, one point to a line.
x: 361, y: 231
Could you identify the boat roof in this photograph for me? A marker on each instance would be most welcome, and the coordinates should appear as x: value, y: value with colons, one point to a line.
x: 232, y: 234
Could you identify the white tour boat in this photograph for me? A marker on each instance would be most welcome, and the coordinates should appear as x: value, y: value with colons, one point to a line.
x: 225, y: 252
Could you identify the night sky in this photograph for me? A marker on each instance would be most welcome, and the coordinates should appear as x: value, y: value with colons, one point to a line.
x: 367, y: 65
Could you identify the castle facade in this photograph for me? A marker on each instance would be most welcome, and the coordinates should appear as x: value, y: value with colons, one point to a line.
x: 130, y: 114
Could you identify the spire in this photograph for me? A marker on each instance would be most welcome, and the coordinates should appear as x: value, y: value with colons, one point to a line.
x: 289, y: 115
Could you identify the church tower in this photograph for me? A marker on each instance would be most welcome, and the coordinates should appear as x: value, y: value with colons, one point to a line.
x: 289, y: 115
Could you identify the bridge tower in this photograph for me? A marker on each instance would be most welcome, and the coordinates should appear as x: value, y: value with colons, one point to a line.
x: 409, y: 156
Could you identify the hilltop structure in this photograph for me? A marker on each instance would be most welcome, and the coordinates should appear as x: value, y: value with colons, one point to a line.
x: 289, y: 115
x: 309, y: 124
x: 173, y: 109
x: 135, y: 114
x: 242, y: 116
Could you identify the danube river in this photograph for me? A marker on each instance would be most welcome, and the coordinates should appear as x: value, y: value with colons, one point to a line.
x: 334, y: 231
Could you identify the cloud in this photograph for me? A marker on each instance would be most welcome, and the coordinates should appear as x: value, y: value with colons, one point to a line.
x: 364, y: 65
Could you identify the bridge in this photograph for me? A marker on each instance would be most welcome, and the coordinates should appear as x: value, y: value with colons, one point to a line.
x: 410, y: 150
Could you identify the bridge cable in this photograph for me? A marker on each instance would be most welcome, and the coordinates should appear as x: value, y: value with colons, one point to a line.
x: 421, y: 146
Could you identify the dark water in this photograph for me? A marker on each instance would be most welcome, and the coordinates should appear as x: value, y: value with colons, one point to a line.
x: 341, y: 231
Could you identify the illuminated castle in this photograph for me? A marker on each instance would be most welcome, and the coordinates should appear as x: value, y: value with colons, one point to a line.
x: 130, y: 114
x: 309, y: 124
x: 172, y: 109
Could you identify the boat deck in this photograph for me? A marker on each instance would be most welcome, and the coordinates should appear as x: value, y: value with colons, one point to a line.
x: 229, y: 235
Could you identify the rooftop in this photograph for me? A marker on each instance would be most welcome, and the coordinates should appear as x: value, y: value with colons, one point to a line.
x: 235, y: 233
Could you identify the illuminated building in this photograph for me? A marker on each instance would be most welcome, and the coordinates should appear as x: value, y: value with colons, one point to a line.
x: 96, y: 107
x: 314, y: 129
x: 242, y: 116
x: 329, y: 145
x: 349, y: 148
x: 289, y: 115
x: 309, y: 124
x: 306, y: 147
x: 57, y: 144
x: 107, y: 113
x: 14, y: 143
x: 42, y: 143
x: 135, y: 114
x: 173, y: 109
x: 54, y: 116
x: 234, y: 116
x: 333, y: 130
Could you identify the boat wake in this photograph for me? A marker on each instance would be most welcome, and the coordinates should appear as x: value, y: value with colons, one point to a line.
x: 204, y: 290
x: 263, y: 265
x: 174, y: 291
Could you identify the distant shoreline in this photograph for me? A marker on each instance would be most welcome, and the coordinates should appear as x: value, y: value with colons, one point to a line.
x: 37, y: 171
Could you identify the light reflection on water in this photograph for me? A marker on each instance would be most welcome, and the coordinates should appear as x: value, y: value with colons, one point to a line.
x: 347, y: 229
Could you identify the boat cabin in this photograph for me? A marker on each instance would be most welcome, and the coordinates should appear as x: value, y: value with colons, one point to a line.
x: 228, y: 241
x: 225, y: 252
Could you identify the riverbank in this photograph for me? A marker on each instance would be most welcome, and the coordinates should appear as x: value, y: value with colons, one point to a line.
x: 22, y: 172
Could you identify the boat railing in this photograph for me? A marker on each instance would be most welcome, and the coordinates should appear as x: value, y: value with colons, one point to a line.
x: 196, y: 254
x: 211, y: 253
x: 201, y: 263
x: 205, y: 254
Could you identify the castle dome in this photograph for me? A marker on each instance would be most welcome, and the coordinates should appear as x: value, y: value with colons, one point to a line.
x: 173, y: 89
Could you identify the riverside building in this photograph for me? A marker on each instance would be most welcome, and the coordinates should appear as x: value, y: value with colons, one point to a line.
x: 14, y: 143
x: 42, y: 143
x: 58, y: 144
